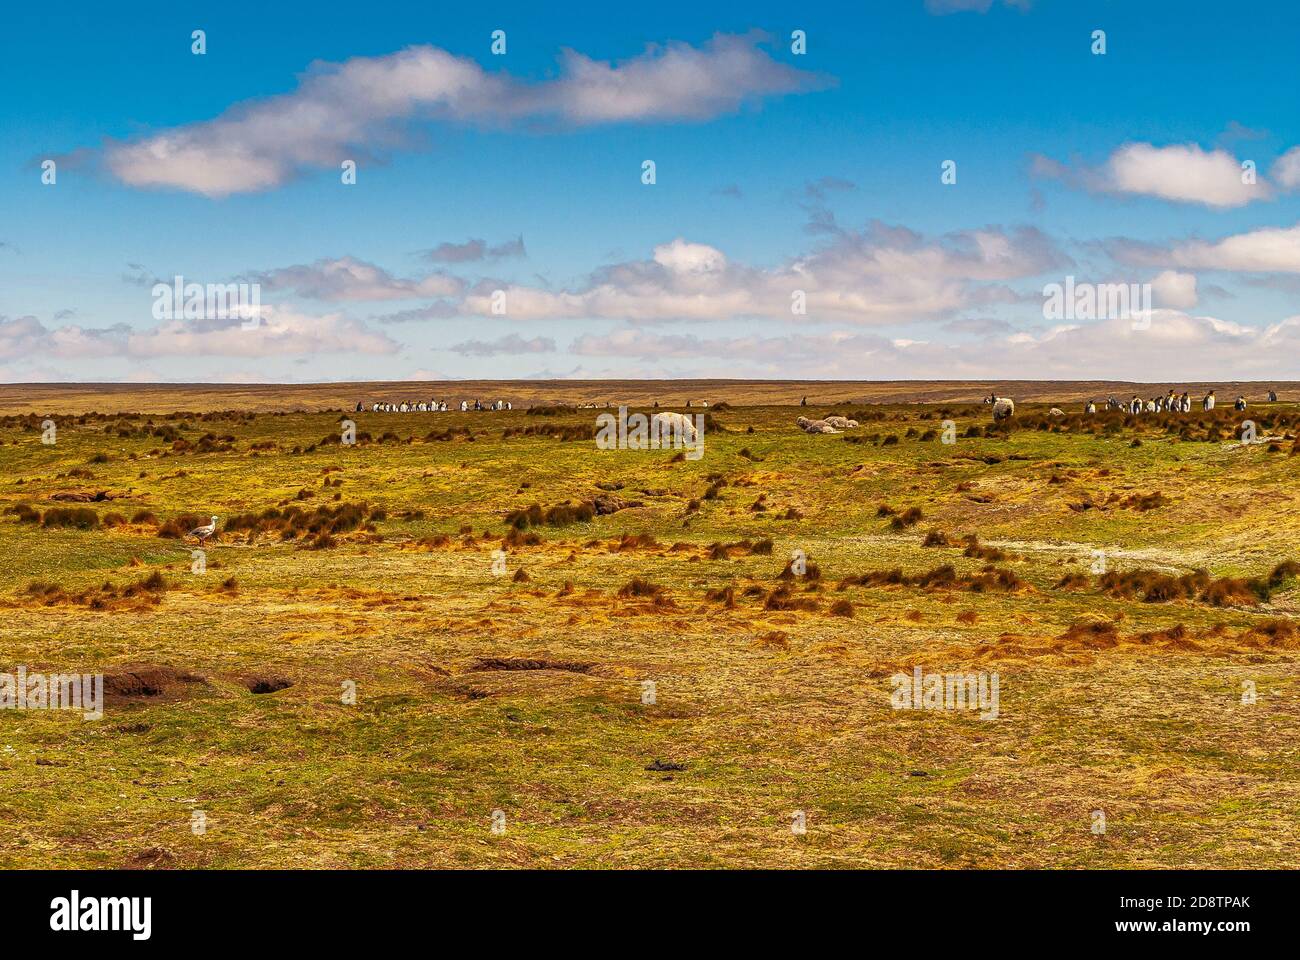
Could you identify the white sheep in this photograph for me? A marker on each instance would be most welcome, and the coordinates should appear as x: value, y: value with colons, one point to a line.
x: 1003, y: 408
x: 673, y: 424
x: 814, y: 426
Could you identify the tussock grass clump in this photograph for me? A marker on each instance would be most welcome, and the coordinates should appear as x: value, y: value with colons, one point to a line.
x: 725, y: 596
x: 636, y: 587
x: 562, y: 432
x: 560, y: 515
x: 1145, y: 501
x: 945, y: 576
x: 139, y: 595
x: 1154, y: 587
x: 515, y: 538
x: 1091, y: 635
x: 81, y: 518
x: 316, y: 527
x: 1273, y: 633
x: 1151, y: 586
x: 1073, y: 581
x: 908, y: 518
x: 979, y: 551
x: 636, y: 541
x: 724, y: 551
x: 179, y: 527
x: 25, y: 513
x: 842, y: 608
x: 783, y: 598
x: 935, y: 538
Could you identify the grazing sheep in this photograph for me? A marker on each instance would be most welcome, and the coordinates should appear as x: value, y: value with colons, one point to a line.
x: 673, y: 424
x: 1003, y: 408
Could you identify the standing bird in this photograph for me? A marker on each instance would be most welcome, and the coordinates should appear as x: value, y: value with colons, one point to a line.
x: 205, y: 531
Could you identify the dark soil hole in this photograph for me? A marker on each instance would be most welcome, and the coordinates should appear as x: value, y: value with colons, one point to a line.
x: 520, y: 663
x: 267, y: 684
x: 659, y: 765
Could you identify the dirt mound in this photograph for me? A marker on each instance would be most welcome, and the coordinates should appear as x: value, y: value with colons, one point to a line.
x: 524, y: 663
x: 145, y: 683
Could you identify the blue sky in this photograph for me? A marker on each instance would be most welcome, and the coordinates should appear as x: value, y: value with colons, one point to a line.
x: 775, y: 172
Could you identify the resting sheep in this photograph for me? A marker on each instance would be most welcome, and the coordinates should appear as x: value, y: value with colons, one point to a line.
x: 840, y: 423
x: 815, y: 426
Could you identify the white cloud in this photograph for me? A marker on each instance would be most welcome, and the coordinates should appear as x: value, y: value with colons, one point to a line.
x: 343, y: 111
x: 281, y: 331
x: 1182, y: 173
x: 347, y: 278
x: 510, y: 344
x: 880, y: 275
x: 474, y: 250
x: 1177, y: 347
x: 1267, y: 250
x: 1286, y: 169
x: 1174, y: 290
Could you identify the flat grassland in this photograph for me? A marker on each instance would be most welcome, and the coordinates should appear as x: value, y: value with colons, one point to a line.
x: 1129, y: 580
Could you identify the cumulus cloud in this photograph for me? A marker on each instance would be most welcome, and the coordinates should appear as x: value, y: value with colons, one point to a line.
x: 475, y: 250
x: 882, y: 274
x: 347, y: 278
x: 343, y: 111
x: 511, y: 344
x: 1267, y: 250
x: 1177, y: 347
x: 1174, y: 290
x: 1183, y: 173
x: 1286, y: 170
x: 281, y: 331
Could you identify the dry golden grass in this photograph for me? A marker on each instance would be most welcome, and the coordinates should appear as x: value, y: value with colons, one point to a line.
x: 478, y: 689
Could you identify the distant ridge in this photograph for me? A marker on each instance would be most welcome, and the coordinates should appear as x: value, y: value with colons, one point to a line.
x: 75, y: 398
